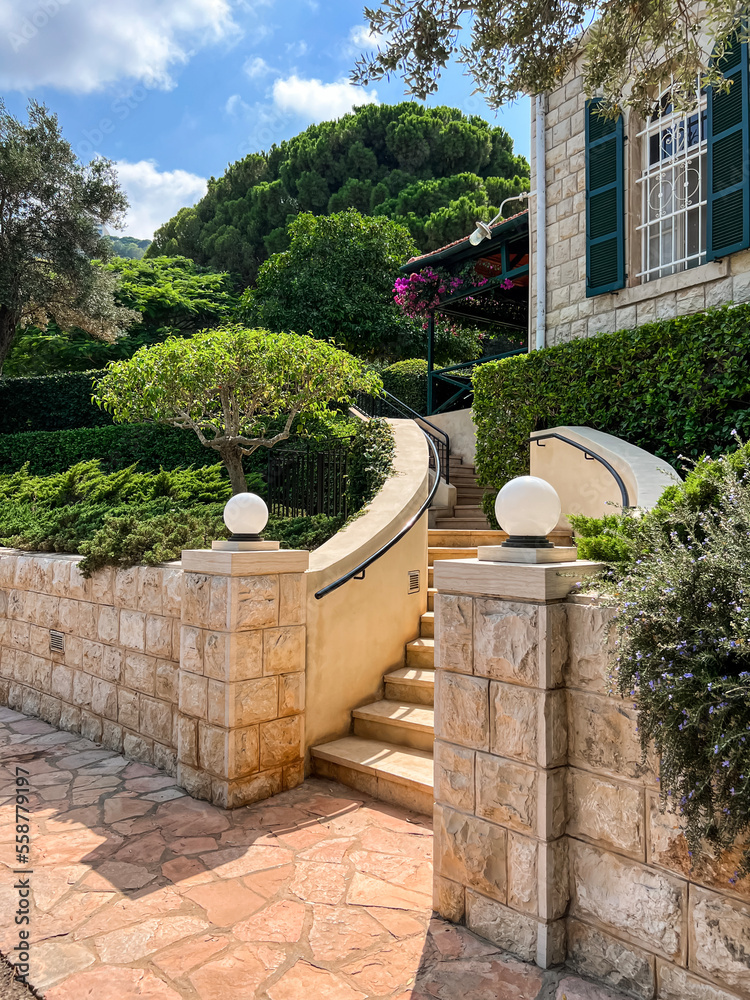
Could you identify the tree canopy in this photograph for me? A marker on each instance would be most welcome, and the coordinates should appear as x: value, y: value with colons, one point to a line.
x: 51, y: 208
x: 630, y: 50
x: 168, y: 295
x: 430, y: 168
x: 336, y: 282
x: 129, y: 246
x: 232, y: 386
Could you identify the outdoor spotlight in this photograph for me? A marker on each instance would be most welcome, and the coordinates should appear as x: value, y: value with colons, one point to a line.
x: 246, y: 515
x: 528, y: 508
x: 482, y: 232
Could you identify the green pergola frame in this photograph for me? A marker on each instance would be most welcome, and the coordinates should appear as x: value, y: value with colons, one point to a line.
x: 453, y: 257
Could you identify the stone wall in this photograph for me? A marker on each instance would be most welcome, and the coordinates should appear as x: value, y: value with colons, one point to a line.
x: 569, y: 313
x: 550, y: 836
x: 116, y: 680
x: 197, y: 667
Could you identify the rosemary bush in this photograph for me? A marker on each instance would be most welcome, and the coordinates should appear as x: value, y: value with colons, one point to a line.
x: 681, y: 584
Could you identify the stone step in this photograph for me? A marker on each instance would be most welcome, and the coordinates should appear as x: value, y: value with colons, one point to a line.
x: 469, y: 494
x: 397, y: 774
x: 427, y: 625
x: 468, y: 510
x: 420, y: 653
x: 447, y: 523
x: 415, y: 685
x: 430, y: 578
x: 400, y: 722
x: 465, y: 538
x: 431, y: 599
x: 435, y: 552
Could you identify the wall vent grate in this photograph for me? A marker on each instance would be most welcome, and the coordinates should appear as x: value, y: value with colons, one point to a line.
x: 56, y: 641
x: 413, y: 581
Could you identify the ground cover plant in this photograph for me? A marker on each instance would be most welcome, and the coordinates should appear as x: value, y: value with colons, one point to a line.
x: 679, y: 577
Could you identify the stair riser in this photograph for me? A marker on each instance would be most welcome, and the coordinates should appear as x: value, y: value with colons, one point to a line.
x: 427, y: 628
x: 406, y: 796
x: 479, y: 524
x: 390, y: 733
x: 468, y: 552
x: 430, y: 602
x: 416, y: 694
x: 430, y: 580
x: 420, y: 657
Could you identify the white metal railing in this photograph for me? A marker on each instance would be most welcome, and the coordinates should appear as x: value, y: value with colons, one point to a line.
x: 673, y: 189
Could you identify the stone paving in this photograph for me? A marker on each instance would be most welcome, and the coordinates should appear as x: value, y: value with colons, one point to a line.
x: 318, y: 894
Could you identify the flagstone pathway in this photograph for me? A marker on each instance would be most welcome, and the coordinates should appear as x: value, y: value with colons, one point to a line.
x: 140, y: 891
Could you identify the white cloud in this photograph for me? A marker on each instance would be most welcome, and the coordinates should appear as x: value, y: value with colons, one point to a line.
x: 84, y: 45
x: 361, y: 39
x: 317, y: 101
x: 296, y: 48
x: 257, y: 67
x: 154, y: 195
x: 236, y: 107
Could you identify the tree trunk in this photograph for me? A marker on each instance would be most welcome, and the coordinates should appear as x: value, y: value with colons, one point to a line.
x: 8, y: 323
x: 232, y: 459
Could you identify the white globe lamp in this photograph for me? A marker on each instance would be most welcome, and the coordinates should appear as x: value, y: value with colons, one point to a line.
x: 246, y: 515
x: 528, y: 508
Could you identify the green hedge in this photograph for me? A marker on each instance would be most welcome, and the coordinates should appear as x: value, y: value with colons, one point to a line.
x: 370, y: 462
x: 676, y: 388
x: 49, y: 403
x: 407, y: 380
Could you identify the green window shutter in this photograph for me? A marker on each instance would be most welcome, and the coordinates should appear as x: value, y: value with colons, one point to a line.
x: 728, y: 173
x: 605, y: 223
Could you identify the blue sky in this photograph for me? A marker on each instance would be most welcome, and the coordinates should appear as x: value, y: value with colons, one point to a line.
x: 174, y: 90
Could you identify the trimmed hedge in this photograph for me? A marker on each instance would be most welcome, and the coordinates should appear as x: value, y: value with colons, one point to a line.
x: 49, y: 403
x: 676, y: 388
x: 407, y: 380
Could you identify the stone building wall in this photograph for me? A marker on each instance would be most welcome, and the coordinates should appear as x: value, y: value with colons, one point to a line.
x: 570, y: 314
x: 550, y: 839
x: 116, y: 682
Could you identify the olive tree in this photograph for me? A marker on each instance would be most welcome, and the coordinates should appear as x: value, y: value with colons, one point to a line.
x: 238, y: 389
x: 515, y: 47
x: 52, y: 209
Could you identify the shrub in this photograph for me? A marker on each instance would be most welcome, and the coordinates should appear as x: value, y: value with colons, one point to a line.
x: 407, y: 380
x: 676, y: 387
x: 49, y: 403
x: 370, y: 462
x: 683, y: 643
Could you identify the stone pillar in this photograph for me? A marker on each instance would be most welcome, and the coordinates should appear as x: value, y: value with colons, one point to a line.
x: 240, y: 723
x: 500, y: 751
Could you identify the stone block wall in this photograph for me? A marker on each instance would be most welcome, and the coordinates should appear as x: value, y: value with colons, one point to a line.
x: 116, y: 681
x: 197, y: 667
x: 570, y: 314
x: 550, y: 837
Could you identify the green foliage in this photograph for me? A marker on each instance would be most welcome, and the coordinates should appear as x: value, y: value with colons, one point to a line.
x: 128, y: 246
x: 370, y: 462
x: 49, y: 403
x: 49, y: 207
x: 365, y: 160
x: 170, y: 295
x: 303, y: 532
x: 602, y: 539
x: 231, y: 384
x: 407, y: 380
x: 674, y: 388
x: 336, y: 281
x: 626, y: 51
x: 683, y: 646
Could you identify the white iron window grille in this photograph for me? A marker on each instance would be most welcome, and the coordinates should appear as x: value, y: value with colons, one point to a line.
x: 673, y: 189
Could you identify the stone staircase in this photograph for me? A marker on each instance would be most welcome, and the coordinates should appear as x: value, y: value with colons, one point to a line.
x: 467, y: 514
x: 389, y: 754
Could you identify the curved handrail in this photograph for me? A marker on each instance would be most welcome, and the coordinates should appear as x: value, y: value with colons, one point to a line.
x: 394, y: 402
x: 359, y: 571
x: 588, y: 453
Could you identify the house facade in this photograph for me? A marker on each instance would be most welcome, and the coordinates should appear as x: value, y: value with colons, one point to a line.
x: 645, y: 220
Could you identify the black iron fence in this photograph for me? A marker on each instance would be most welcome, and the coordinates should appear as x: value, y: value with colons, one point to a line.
x: 390, y: 406
x: 303, y: 483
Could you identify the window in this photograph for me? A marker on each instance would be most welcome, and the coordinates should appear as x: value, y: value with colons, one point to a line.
x: 673, y: 190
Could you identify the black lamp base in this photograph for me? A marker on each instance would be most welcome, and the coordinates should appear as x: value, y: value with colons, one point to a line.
x: 245, y: 538
x: 528, y: 542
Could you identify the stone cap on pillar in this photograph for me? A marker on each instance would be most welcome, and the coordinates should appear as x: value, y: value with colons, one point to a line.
x: 222, y: 563
x: 540, y: 582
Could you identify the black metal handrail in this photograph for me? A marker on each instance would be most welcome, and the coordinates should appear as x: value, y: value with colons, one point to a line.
x: 591, y: 456
x: 358, y: 573
x: 371, y: 406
